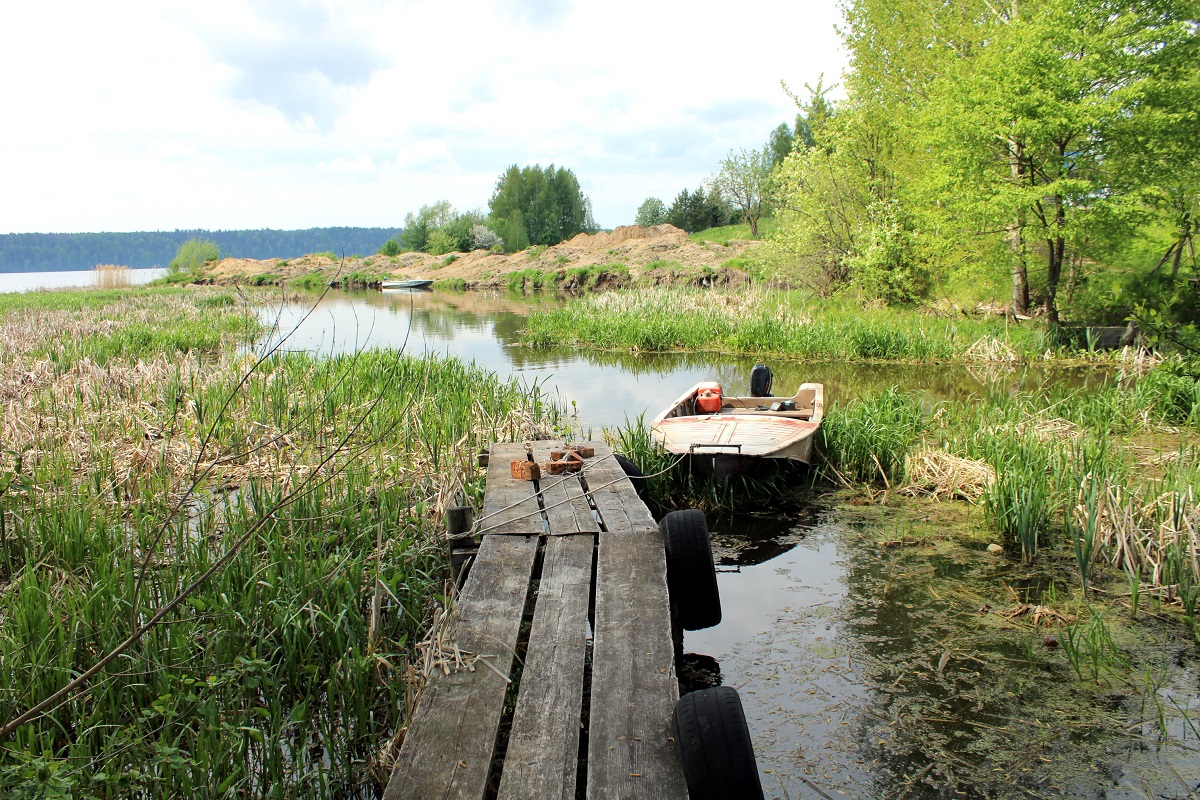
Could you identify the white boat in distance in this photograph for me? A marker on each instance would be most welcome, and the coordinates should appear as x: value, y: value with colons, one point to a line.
x: 410, y: 283
x: 726, y: 435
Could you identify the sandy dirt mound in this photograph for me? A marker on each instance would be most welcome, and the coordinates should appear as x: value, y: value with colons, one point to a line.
x: 662, y: 254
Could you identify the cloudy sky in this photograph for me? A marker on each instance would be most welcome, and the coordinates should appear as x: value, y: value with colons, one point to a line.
x: 153, y: 115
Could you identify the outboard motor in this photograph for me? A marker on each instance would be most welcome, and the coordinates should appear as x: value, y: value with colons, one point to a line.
x: 761, y: 380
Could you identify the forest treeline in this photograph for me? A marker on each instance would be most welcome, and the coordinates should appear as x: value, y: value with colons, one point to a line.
x: 531, y: 205
x: 1044, y: 153
x: 1047, y: 151
x: 49, y: 252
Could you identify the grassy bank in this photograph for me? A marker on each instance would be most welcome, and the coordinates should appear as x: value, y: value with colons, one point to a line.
x: 773, y: 323
x: 268, y: 530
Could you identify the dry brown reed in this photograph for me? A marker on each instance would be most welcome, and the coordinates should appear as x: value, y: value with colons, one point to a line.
x: 939, y: 475
x: 1141, y: 534
x: 992, y: 350
x: 112, y: 276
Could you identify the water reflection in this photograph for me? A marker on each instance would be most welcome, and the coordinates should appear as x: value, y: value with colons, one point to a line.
x: 870, y: 672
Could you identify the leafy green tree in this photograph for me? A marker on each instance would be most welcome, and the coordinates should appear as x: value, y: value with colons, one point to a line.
x: 548, y: 203
x: 781, y: 143
x: 1044, y: 94
x: 192, y: 256
x: 651, y: 212
x: 743, y: 181
x: 441, y: 242
x: 420, y: 225
x: 698, y: 210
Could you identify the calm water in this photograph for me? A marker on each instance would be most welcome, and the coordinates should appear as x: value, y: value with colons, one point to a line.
x: 604, y: 388
x: 71, y: 279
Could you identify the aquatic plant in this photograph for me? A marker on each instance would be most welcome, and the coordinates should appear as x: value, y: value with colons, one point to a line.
x: 1088, y: 645
x: 1018, y: 502
x: 870, y: 438
x: 765, y: 321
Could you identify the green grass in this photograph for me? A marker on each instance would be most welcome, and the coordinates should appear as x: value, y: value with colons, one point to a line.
x: 869, y: 440
x: 316, y: 478
x: 764, y: 322
x: 313, y: 281
x: 451, y: 285
x: 727, y: 233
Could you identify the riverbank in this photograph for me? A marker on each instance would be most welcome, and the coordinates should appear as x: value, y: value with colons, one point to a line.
x: 766, y: 322
x: 626, y: 255
x: 251, y: 537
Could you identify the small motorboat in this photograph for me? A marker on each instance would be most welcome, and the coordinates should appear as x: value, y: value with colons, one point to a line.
x: 410, y: 283
x: 725, y: 435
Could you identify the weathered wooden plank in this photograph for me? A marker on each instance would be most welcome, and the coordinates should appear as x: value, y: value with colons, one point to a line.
x: 543, y: 749
x: 451, y: 739
x: 615, y: 498
x: 509, y: 506
x: 566, y: 505
x: 634, y: 688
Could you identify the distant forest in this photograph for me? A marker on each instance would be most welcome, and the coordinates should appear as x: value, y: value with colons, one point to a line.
x: 51, y: 252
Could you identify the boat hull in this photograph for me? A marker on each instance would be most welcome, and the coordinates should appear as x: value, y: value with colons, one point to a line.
x: 745, y: 431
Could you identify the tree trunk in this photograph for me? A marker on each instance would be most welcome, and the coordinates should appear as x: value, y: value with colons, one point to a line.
x: 1054, y: 260
x: 1016, y: 236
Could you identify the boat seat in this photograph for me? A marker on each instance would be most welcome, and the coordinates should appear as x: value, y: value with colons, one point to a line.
x: 800, y: 413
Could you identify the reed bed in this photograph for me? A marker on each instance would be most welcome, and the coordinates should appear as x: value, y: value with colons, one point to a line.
x: 113, y: 276
x: 1057, y: 468
x: 268, y: 524
x: 770, y: 322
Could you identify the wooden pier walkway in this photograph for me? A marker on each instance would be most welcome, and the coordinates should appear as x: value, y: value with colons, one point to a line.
x: 594, y: 669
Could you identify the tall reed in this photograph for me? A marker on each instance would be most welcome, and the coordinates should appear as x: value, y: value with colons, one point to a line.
x: 317, y: 481
x: 869, y: 439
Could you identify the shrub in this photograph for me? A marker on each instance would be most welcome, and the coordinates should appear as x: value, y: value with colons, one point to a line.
x: 889, y: 267
x: 484, y: 238
x: 191, y: 257
x: 440, y: 242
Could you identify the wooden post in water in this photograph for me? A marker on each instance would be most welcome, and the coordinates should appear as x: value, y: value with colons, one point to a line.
x: 459, y: 540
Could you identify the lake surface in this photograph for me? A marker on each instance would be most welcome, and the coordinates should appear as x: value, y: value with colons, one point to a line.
x: 604, y: 388
x: 70, y: 279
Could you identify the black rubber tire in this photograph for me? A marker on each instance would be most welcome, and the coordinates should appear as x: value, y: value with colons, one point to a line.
x: 761, y: 381
x: 691, y: 574
x: 635, y: 475
x: 714, y: 746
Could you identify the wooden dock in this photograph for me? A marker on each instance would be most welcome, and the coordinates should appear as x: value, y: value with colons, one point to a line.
x: 581, y: 562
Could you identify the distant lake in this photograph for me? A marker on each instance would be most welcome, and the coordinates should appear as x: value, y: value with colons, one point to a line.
x: 68, y: 279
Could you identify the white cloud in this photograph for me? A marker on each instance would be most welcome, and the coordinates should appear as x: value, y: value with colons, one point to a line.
x: 299, y: 113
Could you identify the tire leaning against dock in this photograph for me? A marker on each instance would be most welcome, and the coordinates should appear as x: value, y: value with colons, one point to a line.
x: 714, y: 746
x: 691, y: 574
x: 635, y: 475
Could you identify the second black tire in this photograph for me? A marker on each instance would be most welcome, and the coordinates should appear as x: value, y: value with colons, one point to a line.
x: 691, y: 575
x: 635, y: 475
x: 714, y: 746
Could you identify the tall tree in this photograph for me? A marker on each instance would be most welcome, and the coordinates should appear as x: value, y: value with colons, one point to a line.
x: 743, y: 181
x: 1027, y: 124
x: 651, y: 212
x: 547, y: 203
